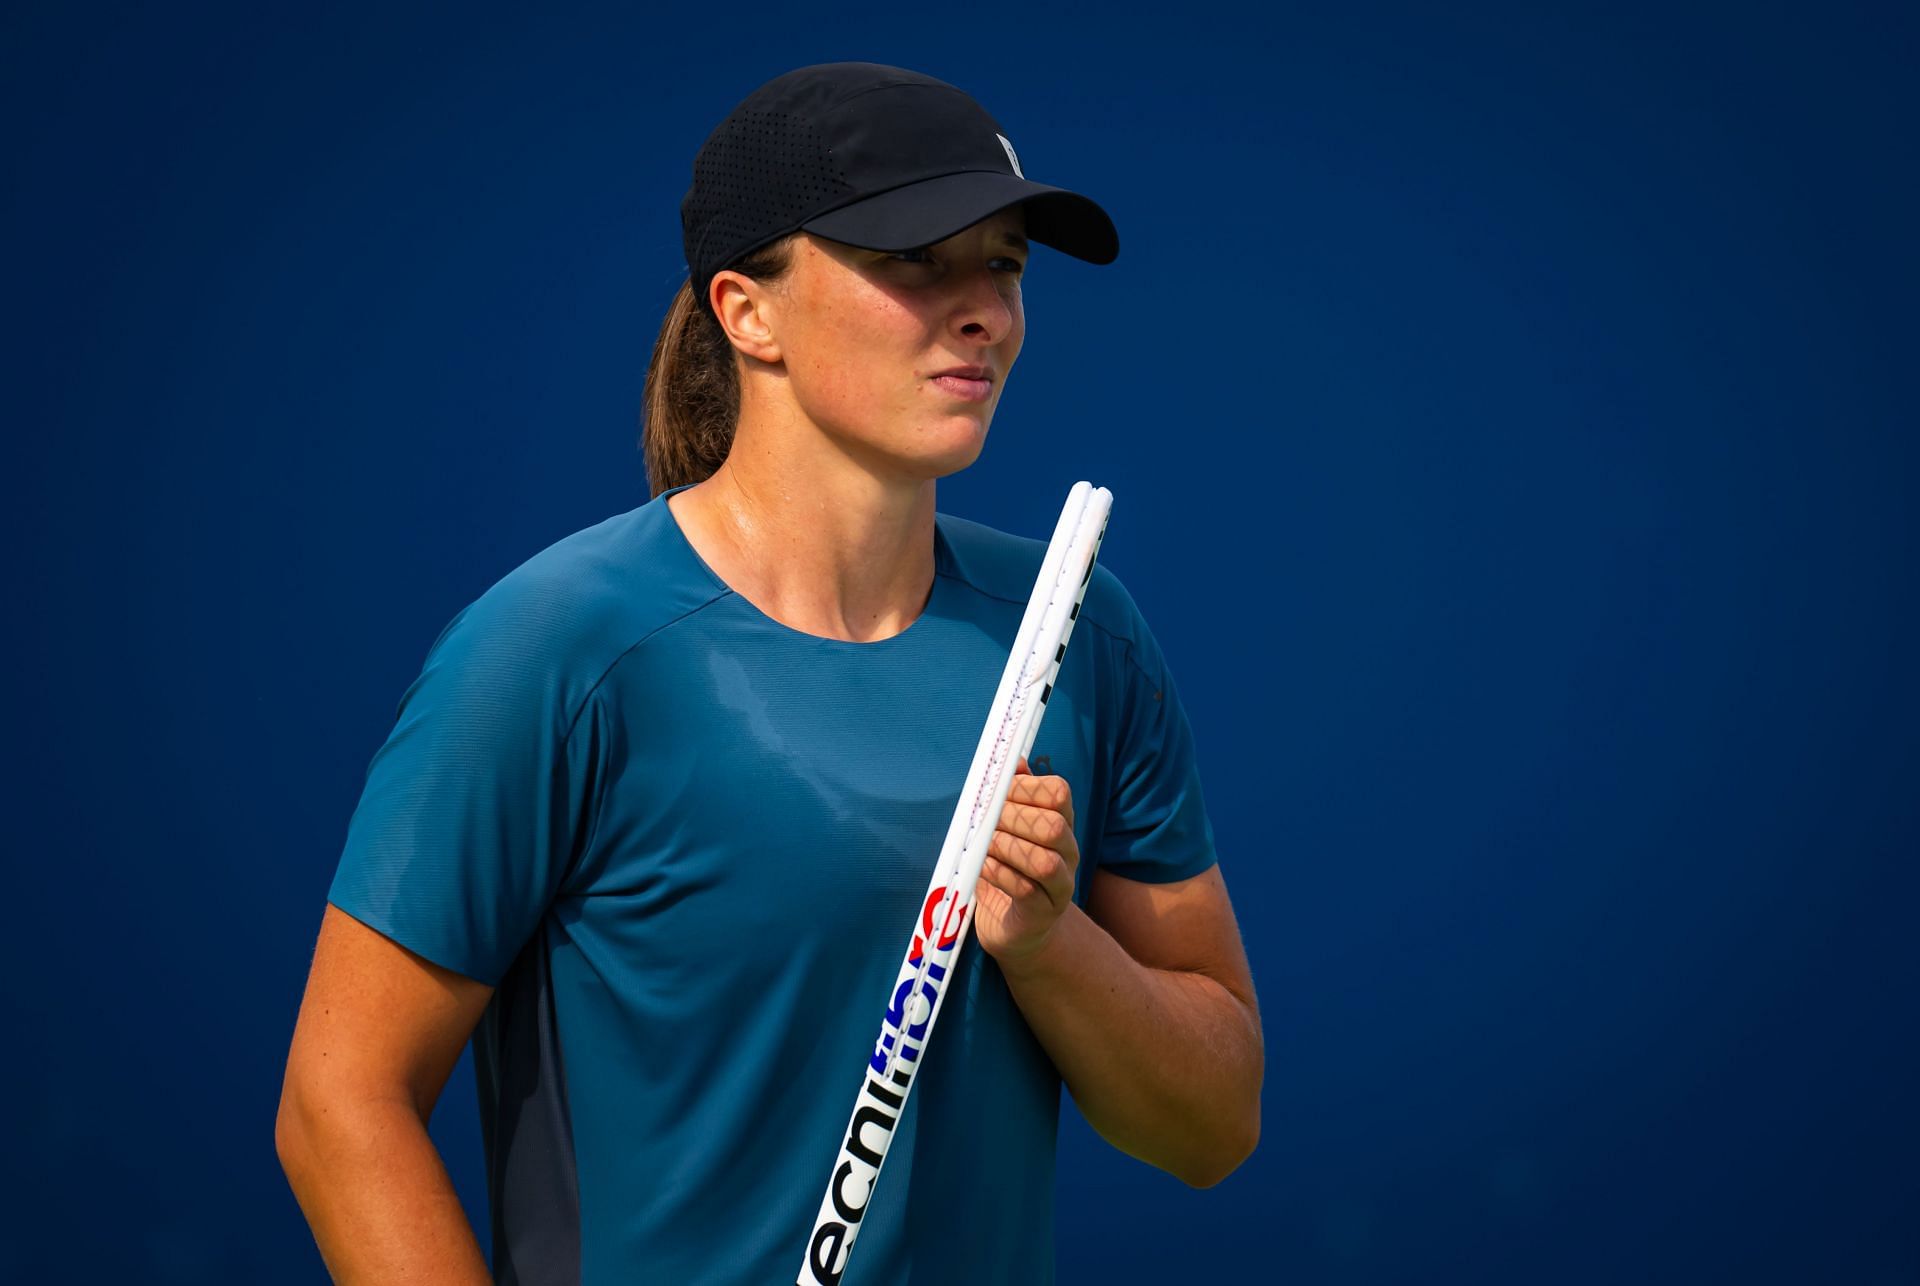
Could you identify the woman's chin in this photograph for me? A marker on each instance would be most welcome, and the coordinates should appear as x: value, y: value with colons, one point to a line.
x: 955, y: 446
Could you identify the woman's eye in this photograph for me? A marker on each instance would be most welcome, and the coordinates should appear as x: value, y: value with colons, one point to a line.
x: 924, y: 256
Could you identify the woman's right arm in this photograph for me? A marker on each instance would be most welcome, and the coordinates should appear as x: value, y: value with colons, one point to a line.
x: 379, y: 1032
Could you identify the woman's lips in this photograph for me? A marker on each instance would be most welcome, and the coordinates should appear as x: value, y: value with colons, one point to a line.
x: 961, y: 387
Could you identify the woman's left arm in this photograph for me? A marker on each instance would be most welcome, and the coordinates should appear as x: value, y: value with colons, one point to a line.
x: 1144, y: 1001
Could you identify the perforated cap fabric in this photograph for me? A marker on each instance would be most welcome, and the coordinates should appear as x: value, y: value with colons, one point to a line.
x: 873, y: 156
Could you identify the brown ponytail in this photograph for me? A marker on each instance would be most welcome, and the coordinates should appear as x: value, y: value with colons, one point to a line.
x: 691, y: 402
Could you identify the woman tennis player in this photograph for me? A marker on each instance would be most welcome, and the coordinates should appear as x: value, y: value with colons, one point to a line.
x: 651, y: 822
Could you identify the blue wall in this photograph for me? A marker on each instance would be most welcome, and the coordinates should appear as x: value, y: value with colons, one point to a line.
x: 1510, y: 416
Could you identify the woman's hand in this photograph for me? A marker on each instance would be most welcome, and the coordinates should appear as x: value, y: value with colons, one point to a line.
x: 1026, y: 884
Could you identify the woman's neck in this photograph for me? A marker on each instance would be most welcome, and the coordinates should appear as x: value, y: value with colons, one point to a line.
x: 818, y: 541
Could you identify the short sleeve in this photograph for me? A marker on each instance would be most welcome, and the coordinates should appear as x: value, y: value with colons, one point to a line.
x: 1156, y: 826
x: 471, y: 811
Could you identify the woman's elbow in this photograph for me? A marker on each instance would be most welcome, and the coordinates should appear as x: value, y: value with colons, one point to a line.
x: 1228, y: 1156
x: 307, y: 1126
x: 290, y: 1139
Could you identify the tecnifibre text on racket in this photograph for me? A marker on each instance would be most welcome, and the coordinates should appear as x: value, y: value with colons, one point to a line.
x: 940, y: 928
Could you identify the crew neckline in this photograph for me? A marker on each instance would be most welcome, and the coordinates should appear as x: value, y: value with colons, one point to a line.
x: 942, y: 566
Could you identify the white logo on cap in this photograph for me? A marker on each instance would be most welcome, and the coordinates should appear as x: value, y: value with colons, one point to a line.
x: 1010, y: 156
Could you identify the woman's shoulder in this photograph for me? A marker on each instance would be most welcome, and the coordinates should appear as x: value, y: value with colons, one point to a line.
x: 589, y: 596
x: 1004, y: 565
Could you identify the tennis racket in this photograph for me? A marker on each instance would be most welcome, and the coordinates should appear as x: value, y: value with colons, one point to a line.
x: 940, y: 927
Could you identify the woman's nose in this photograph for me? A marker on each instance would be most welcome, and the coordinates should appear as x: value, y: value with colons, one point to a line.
x: 984, y: 312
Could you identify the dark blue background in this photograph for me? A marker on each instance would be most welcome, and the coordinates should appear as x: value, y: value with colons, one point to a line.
x: 1511, y: 426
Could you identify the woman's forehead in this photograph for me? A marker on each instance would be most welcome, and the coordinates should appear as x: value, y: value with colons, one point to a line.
x: 1013, y: 219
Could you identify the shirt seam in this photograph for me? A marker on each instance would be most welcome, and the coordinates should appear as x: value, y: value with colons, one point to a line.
x: 1107, y: 630
x: 629, y: 650
x: 1126, y: 643
x: 1144, y: 672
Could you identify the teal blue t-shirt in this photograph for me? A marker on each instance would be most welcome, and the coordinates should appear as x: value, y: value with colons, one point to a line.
x: 686, y: 843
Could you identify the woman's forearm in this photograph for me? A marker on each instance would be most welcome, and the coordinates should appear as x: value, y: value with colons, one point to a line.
x: 377, y: 1196
x: 1165, y: 1065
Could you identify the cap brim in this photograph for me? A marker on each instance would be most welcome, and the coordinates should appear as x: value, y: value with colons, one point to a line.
x: 919, y: 214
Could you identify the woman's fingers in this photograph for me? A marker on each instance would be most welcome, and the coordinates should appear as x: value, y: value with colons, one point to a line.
x: 1050, y: 794
x: 1008, y: 880
x: 1032, y: 859
x: 1033, y: 866
x: 1043, y: 826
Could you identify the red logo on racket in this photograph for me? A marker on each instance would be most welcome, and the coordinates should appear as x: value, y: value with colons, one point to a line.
x: 949, y: 932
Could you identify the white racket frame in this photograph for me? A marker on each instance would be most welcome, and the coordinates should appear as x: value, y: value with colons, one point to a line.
x: 920, y: 986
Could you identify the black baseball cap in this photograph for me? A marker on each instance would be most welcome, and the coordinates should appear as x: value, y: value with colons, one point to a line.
x: 872, y: 156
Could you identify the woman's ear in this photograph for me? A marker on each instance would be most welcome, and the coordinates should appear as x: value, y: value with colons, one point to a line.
x: 744, y: 309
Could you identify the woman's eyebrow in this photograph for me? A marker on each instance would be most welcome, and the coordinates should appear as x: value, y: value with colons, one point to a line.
x: 1014, y: 239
